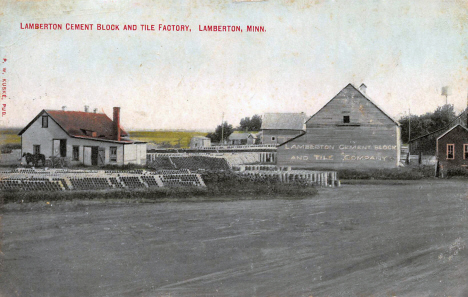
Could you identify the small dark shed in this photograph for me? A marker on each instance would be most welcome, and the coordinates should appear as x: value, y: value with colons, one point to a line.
x: 426, y: 144
x: 452, y: 148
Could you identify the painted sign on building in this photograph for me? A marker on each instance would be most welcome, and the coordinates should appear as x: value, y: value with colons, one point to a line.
x: 350, y: 131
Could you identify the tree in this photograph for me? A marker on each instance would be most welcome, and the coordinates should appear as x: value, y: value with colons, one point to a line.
x: 223, y: 131
x: 256, y: 123
x: 426, y: 123
x: 244, y: 124
x: 250, y: 124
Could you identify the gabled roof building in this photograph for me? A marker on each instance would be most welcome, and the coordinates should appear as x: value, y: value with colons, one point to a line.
x: 280, y: 127
x: 199, y: 141
x: 238, y: 138
x: 452, y: 149
x: 350, y: 131
x: 88, y: 138
x: 427, y: 144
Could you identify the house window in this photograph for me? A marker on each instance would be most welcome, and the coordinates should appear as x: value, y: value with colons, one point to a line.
x: 36, y: 149
x: 76, y: 153
x: 113, y: 154
x: 465, y: 151
x: 450, y: 151
x: 346, y: 119
x: 45, y: 121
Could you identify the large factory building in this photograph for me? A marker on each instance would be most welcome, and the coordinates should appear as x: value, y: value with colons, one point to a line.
x: 350, y: 131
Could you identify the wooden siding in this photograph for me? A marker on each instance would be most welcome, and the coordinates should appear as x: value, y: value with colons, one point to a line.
x: 280, y: 136
x: 352, y: 103
x: 458, y: 136
x: 370, y: 140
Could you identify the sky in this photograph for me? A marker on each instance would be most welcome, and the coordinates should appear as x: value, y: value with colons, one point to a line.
x: 404, y: 51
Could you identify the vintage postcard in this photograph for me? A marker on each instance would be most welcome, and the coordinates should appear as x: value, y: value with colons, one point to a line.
x: 234, y: 148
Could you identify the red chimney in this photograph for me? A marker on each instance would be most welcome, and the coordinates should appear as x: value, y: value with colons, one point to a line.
x: 116, y: 123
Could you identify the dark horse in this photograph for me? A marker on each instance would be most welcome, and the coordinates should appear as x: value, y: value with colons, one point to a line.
x: 34, y: 159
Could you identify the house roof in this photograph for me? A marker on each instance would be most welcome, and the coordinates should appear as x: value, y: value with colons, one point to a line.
x: 283, y: 121
x: 238, y: 136
x: 200, y: 137
x: 365, y: 96
x: 256, y: 135
x: 81, y: 124
x: 448, y: 131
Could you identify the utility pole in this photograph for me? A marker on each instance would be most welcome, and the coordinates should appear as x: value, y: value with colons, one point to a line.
x: 222, y: 130
x: 409, y: 124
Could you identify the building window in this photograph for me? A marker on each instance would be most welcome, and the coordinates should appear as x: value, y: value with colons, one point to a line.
x: 465, y: 151
x: 45, y: 121
x: 346, y: 119
x: 36, y: 149
x: 113, y: 154
x: 450, y: 151
x: 76, y: 153
x: 273, y: 138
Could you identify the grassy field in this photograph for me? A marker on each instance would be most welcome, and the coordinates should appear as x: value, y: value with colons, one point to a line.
x: 9, y: 136
x: 173, y: 138
x: 9, y: 140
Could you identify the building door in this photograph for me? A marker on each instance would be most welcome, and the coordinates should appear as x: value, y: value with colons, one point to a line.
x: 59, y: 148
x: 101, y: 156
x: 63, y: 147
x: 94, y: 155
x: 87, y: 156
x: 56, y: 148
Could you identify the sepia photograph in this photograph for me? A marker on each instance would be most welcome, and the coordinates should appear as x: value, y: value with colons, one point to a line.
x: 186, y: 148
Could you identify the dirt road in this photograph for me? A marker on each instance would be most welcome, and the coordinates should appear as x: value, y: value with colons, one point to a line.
x: 380, y: 240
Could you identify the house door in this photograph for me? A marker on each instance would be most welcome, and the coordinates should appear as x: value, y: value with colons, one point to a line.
x: 87, y: 156
x: 63, y: 147
x: 101, y: 156
x: 59, y: 148
x: 56, y: 148
x: 94, y: 155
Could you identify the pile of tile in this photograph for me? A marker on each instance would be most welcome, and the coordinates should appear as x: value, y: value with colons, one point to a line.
x: 63, y: 179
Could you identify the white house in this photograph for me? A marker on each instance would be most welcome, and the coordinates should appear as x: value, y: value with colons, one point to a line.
x: 199, y: 141
x: 88, y: 138
x: 280, y: 127
x: 238, y: 138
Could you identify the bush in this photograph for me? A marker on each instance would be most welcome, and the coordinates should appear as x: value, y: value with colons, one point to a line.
x: 9, y: 147
x: 461, y: 172
x: 229, y: 183
x: 403, y: 173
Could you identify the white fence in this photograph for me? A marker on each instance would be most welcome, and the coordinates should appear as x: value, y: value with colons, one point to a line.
x: 284, y: 174
x: 232, y: 158
x: 319, y: 178
x: 237, y: 147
